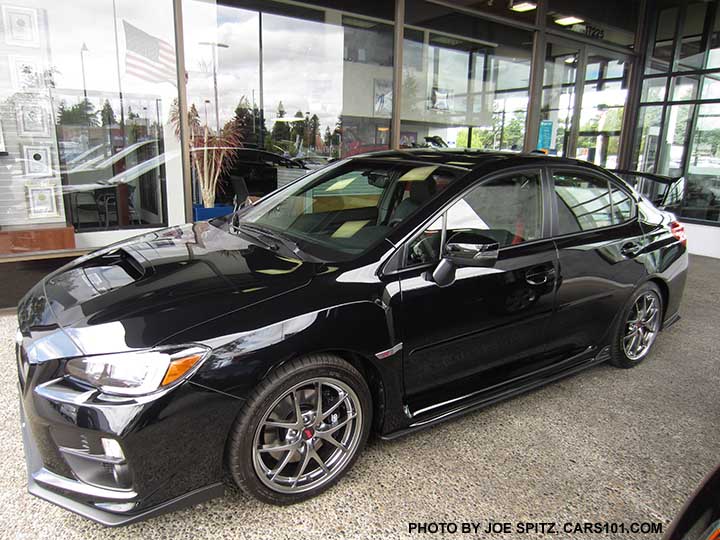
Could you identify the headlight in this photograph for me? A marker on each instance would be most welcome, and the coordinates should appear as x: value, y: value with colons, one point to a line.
x: 137, y: 373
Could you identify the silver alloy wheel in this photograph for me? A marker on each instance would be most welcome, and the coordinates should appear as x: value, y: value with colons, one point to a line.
x: 642, y: 326
x: 307, y: 436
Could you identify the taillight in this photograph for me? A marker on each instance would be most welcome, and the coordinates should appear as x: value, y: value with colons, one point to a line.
x: 678, y: 231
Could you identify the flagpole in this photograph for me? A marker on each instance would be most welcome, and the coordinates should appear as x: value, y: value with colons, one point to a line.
x: 117, y: 61
x: 261, y: 143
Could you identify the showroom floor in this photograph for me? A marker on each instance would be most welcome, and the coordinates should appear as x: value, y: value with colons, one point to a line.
x: 605, y: 445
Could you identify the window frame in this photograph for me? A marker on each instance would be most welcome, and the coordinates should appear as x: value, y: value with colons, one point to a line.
x: 597, y: 175
x: 545, y: 207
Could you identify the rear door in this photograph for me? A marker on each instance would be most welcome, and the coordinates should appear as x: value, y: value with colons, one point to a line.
x: 600, y: 247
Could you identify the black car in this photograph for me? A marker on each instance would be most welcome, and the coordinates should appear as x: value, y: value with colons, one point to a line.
x: 385, y: 293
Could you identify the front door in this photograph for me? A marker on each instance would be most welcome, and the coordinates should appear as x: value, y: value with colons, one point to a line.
x: 489, y: 325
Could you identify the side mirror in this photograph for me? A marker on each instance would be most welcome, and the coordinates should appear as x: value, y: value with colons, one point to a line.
x: 481, y: 255
x: 464, y: 249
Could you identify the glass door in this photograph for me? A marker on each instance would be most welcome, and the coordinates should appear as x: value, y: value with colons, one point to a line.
x: 602, y: 107
x: 559, y: 92
x: 583, y: 102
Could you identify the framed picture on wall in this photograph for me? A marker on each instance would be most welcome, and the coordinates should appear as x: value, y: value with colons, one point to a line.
x: 25, y: 73
x: 32, y: 120
x: 382, y: 97
x: 36, y: 160
x: 440, y: 99
x: 41, y: 202
x: 21, y: 26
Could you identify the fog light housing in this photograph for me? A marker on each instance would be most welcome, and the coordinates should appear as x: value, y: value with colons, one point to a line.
x: 112, y: 448
x: 107, y: 470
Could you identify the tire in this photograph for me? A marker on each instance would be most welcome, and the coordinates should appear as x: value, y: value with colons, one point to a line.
x: 644, y: 328
x: 282, y: 412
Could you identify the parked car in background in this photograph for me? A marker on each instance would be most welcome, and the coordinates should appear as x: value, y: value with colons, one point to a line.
x: 313, y: 162
x: 262, y: 172
x: 387, y: 292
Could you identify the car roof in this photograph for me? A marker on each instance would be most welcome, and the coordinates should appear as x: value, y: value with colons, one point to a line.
x: 472, y: 159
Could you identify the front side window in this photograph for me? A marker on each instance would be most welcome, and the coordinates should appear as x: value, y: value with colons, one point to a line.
x: 585, y: 203
x: 341, y: 211
x: 508, y: 210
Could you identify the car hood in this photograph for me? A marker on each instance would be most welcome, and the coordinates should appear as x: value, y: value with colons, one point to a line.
x: 141, y: 292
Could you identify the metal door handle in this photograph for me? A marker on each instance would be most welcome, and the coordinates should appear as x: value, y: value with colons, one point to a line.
x: 631, y: 249
x: 539, y: 277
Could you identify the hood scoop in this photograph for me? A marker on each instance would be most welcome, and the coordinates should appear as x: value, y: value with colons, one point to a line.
x: 113, y: 270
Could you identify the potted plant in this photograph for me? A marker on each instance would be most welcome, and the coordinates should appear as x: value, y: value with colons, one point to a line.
x: 211, y: 154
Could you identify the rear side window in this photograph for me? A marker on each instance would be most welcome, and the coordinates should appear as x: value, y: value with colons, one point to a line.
x: 587, y: 202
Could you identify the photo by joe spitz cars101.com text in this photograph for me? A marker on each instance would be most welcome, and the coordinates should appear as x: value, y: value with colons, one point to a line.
x: 386, y: 292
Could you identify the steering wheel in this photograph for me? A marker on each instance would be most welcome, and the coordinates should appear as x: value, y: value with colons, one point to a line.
x: 424, y: 250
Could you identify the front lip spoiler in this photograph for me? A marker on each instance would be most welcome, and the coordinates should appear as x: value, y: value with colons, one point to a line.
x: 36, y: 474
x: 110, y: 519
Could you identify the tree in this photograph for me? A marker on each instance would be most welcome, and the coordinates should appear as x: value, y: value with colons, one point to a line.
x: 80, y: 114
x: 298, y: 127
x: 107, y: 115
x: 313, y: 129
x: 514, y: 131
x: 281, y: 129
x: 248, y: 122
x: 503, y: 133
x: 328, y: 137
x: 132, y: 115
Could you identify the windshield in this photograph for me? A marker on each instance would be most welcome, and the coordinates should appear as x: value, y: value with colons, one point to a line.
x: 343, y: 210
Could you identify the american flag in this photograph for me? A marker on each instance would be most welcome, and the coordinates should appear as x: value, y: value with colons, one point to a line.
x: 148, y: 57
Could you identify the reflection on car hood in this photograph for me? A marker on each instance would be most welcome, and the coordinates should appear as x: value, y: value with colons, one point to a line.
x: 140, y: 292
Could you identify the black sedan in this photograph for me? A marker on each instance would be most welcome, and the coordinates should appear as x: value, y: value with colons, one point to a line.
x: 385, y: 293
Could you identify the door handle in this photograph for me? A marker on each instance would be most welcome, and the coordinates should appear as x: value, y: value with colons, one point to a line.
x: 631, y: 249
x: 539, y: 277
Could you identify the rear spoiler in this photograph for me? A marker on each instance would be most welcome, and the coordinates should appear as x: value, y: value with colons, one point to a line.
x: 665, y: 192
x: 650, y: 176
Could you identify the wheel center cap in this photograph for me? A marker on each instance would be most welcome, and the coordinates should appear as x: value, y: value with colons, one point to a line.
x: 308, y: 433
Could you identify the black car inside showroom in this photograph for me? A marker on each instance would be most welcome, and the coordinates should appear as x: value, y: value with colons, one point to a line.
x: 342, y: 269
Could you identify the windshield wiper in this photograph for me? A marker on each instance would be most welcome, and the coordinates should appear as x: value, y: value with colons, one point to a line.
x: 256, y: 235
x: 274, y: 237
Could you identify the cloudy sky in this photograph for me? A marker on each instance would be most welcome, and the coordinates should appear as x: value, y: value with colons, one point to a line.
x: 303, y: 60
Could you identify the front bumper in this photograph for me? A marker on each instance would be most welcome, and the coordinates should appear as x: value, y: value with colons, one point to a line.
x: 170, y: 446
x: 50, y: 487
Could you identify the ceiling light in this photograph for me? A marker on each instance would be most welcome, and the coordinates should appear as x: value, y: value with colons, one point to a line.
x: 522, y: 7
x: 567, y: 21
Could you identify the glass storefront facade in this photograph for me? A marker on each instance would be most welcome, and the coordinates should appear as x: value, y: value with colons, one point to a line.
x: 107, y: 128
x: 85, y: 144
x: 678, y: 129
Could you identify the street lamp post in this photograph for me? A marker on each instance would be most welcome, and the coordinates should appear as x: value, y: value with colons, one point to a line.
x: 83, y: 50
x: 214, y: 46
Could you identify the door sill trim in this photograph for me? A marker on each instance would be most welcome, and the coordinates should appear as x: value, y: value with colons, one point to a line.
x: 481, y: 399
x: 488, y: 390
